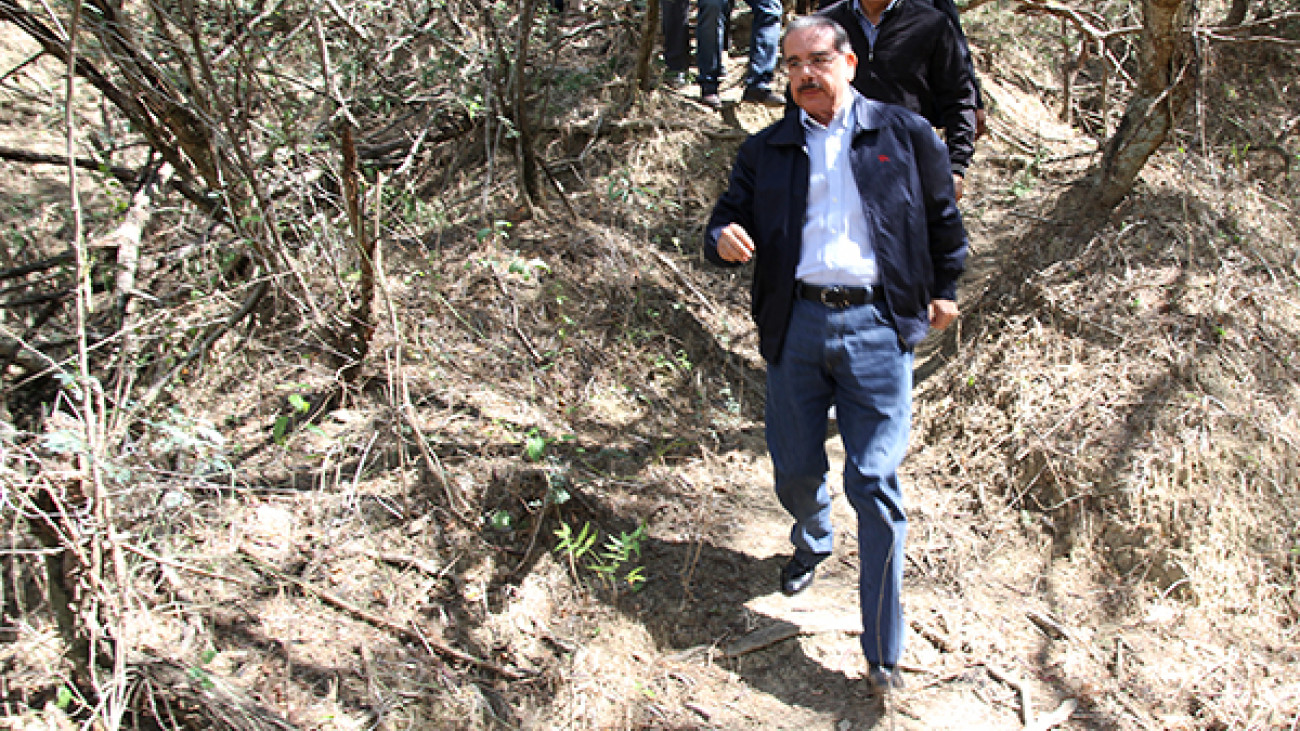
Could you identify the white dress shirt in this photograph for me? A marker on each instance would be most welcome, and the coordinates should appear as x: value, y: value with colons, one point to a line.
x: 837, y: 247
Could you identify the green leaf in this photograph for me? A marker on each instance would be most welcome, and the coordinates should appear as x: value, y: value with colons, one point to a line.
x: 280, y: 430
x: 299, y: 403
x: 64, y: 698
x: 501, y: 520
x: 535, y: 446
x: 635, y: 578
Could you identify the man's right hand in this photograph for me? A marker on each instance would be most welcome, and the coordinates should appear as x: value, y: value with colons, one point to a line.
x: 734, y: 244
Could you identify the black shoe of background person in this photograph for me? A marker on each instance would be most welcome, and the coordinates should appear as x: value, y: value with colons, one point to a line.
x: 711, y: 99
x: 796, y: 576
x: 762, y: 95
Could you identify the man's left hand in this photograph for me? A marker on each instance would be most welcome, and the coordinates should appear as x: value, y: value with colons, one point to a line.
x: 942, y: 313
x: 959, y: 185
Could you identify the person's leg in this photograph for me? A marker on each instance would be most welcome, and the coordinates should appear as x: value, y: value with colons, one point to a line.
x: 873, y: 377
x: 677, y: 34
x: 798, y: 395
x: 708, y: 43
x: 764, y: 37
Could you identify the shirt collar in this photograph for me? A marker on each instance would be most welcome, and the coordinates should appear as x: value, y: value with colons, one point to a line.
x: 857, y: 8
x: 845, y: 118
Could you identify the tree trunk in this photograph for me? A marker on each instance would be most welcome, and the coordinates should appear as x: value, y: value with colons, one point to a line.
x: 1236, y: 13
x: 1169, y: 67
x: 527, y: 155
x: 649, y: 33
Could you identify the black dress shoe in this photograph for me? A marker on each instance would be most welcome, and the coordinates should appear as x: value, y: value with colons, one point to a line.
x: 883, y: 679
x: 796, y: 576
x: 764, y: 96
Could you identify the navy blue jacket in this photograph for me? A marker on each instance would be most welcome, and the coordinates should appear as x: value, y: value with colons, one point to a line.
x: 920, y: 62
x: 901, y: 169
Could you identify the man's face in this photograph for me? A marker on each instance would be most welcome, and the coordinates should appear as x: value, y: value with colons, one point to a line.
x: 820, y: 76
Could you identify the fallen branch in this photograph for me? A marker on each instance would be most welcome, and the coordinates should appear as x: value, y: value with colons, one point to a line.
x: 682, y: 277
x: 760, y: 639
x: 124, y: 174
x: 409, y: 634
x: 1022, y: 690
x: 214, y: 332
x: 66, y: 257
x: 1055, y: 718
x: 1049, y: 625
x: 178, y: 565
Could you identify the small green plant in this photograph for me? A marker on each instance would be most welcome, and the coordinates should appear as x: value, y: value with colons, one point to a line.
x: 201, y: 677
x: 280, y: 430
x: 63, y: 699
x: 528, y: 269
x: 498, y: 229
x: 611, y: 562
x: 574, y: 546
x: 1023, y: 185
x: 535, y: 446
x: 190, y: 441
x: 500, y: 520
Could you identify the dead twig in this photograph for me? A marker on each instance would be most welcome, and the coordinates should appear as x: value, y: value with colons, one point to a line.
x: 1049, y: 625
x: 514, y: 321
x: 1056, y: 717
x: 760, y: 639
x: 708, y: 304
x: 1018, y: 685
x: 180, y: 566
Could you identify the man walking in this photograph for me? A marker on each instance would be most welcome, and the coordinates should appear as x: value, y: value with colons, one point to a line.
x: 710, y: 30
x: 847, y: 208
x: 674, y: 15
x: 910, y: 53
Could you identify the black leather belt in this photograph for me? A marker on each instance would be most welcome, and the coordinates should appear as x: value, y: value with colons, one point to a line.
x: 838, y: 296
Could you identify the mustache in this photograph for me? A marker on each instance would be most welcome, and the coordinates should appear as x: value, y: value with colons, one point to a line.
x: 809, y: 85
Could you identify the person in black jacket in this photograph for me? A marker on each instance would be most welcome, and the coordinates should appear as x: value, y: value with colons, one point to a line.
x: 846, y: 208
x: 910, y: 54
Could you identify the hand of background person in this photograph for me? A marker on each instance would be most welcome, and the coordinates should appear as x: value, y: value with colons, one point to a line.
x: 981, y: 123
x: 734, y: 244
x: 942, y: 313
x: 959, y: 185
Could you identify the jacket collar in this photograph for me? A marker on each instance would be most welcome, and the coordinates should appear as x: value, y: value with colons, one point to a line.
x: 866, y: 117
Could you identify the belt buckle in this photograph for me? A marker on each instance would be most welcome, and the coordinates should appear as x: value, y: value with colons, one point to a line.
x: 834, y: 296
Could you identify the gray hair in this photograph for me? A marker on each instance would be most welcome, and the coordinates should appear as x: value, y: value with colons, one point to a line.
x: 821, y: 24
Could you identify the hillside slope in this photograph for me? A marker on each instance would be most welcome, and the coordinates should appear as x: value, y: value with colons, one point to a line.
x: 1102, y: 478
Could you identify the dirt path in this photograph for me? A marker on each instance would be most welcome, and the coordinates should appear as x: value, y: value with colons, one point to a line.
x: 807, y: 669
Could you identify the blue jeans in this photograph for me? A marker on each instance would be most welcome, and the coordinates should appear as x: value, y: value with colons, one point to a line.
x: 851, y: 358
x: 710, y: 23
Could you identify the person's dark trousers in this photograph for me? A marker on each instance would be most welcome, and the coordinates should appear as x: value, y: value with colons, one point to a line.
x: 677, y: 34
x: 710, y: 35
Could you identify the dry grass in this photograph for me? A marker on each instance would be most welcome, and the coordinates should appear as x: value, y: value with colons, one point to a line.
x: 1110, y: 442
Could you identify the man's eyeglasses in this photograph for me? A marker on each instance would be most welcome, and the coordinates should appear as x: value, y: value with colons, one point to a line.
x: 819, y: 61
